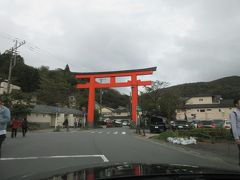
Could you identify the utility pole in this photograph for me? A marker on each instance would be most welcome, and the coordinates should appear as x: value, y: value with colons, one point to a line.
x: 13, y: 62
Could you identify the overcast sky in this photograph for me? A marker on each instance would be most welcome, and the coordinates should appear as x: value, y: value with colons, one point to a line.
x: 188, y: 41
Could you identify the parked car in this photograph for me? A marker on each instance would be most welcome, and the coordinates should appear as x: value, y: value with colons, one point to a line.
x: 125, y: 122
x: 181, y: 124
x: 199, y: 124
x: 227, y: 125
x: 207, y: 124
x: 157, y: 124
x: 194, y: 123
x: 118, y: 123
x: 219, y: 122
x: 109, y: 123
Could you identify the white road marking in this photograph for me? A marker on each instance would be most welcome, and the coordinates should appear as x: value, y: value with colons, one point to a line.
x: 123, y: 132
x: 56, y: 157
x: 115, y: 132
x: 93, y: 132
x: 108, y: 132
x: 104, y: 158
x: 100, y: 132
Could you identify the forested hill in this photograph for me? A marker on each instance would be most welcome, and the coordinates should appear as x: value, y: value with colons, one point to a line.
x: 53, y: 87
x: 228, y: 87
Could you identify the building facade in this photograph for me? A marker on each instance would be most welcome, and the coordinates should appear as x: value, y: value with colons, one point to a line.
x: 49, y: 116
x: 3, y: 87
x: 205, y: 108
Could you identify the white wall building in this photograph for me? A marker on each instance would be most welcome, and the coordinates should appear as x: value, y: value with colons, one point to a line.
x: 205, y: 108
x: 3, y: 87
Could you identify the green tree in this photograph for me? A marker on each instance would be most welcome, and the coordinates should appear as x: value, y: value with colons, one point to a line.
x: 26, y: 77
x: 151, y: 97
x: 169, y: 102
x: 20, y: 110
x: 67, y: 69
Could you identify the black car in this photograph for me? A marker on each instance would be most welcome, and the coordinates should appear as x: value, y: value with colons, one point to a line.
x: 181, y: 124
x: 157, y: 124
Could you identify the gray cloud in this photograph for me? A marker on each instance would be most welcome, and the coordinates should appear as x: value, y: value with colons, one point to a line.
x: 188, y: 40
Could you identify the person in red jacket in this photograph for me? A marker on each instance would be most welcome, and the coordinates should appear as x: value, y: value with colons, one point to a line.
x: 15, y: 124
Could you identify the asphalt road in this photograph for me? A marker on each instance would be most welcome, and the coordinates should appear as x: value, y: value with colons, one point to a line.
x: 46, y: 152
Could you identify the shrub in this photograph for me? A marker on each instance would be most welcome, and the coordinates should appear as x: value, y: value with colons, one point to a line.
x: 166, y: 134
x: 202, y: 134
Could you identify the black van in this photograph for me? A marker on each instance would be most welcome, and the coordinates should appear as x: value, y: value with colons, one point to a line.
x: 157, y: 124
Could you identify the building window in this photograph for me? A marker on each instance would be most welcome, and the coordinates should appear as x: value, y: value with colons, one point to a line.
x: 209, y: 109
x: 193, y: 115
x: 201, y: 99
x: 202, y: 110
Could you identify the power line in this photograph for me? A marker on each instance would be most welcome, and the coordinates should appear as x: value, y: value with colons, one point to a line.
x: 34, y: 48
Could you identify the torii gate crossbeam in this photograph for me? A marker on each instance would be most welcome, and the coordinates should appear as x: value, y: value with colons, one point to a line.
x: 93, y: 84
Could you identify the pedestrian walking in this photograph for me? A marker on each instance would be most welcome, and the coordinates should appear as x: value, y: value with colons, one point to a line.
x: 4, y: 119
x: 75, y: 123
x: 65, y: 123
x: 235, y: 123
x: 15, y: 124
x: 24, y: 126
x: 142, y: 124
x: 79, y: 123
x: 138, y: 130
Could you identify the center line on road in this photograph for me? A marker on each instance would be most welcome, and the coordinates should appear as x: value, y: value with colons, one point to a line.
x: 108, y: 132
x: 123, y: 132
x: 115, y: 132
x: 56, y: 157
x: 100, y: 132
x: 93, y: 132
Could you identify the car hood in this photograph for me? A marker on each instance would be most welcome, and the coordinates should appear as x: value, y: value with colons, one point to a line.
x: 135, y: 169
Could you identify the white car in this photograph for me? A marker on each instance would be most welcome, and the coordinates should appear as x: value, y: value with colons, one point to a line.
x: 227, y: 125
x: 125, y: 123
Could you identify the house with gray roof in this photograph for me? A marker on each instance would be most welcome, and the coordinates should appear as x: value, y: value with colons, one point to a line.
x: 49, y: 116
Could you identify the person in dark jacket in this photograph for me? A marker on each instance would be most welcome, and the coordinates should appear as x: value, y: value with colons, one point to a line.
x: 24, y: 127
x: 65, y: 123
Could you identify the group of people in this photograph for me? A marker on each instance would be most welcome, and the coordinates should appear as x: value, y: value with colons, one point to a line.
x: 16, y: 123
x: 77, y: 123
x: 5, y: 119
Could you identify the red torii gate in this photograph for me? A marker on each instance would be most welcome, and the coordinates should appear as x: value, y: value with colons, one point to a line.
x: 93, y: 84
